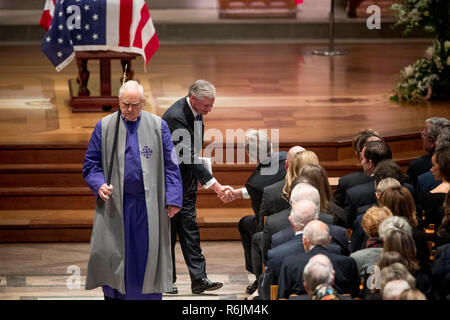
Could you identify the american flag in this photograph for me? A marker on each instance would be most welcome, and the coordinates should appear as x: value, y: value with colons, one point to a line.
x: 117, y: 25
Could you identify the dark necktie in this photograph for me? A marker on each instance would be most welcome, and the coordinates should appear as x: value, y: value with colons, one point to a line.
x: 198, y: 133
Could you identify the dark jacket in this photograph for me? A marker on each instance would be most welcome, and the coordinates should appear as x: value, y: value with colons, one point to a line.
x: 346, y: 277
x: 258, y: 180
x: 272, y: 200
x: 417, y: 167
x: 348, y: 181
x: 180, y: 116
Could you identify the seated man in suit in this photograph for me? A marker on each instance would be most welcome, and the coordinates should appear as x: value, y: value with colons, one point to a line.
x: 316, y: 238
x: 270, y: 169
x: 429, y: 135
x: 266, y: 198
x: 355, y: 178
x: 364, y: 194
x: 318, y: 280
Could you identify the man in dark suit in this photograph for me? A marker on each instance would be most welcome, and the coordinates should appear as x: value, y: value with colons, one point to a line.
x: 315, y: 239
x: 271, y: 202
x: 355, y: 178
x: 361, y: 195
x: 318, y: 280
x: 429, y: 135
x: 185, y: 121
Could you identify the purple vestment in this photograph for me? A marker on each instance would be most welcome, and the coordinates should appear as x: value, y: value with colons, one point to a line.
x: 134, y: 206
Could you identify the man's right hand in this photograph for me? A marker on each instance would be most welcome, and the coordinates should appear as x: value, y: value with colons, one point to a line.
x: 105, y: 191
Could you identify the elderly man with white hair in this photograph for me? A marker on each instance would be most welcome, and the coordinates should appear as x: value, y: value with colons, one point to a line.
x: 318, y: 280
x: 130, y: 246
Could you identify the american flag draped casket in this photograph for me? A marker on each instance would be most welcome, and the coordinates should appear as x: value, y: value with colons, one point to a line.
x: 84, y: 25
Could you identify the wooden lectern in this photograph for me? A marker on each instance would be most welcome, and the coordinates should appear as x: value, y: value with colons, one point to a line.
x: 101, y: 99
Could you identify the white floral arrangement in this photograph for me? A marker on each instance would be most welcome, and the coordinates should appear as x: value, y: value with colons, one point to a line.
x: 429, y: 77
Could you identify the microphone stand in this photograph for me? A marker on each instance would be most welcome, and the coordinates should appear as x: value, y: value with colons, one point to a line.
x: 331, y: 51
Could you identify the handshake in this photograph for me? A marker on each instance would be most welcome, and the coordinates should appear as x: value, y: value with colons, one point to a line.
x: 227, y: 193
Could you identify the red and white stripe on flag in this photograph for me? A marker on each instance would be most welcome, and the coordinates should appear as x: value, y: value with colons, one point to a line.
x: 129, y: 27
x: 298, y: 1
x: 47, y: 14
x: 135, y: 28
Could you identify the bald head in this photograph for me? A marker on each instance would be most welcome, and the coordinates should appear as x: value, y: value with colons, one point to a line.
x: 316, y: 233
x: 291, y: 153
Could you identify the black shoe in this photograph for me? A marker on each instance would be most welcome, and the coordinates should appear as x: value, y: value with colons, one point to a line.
x: 174, y: 290
x: 252, y: 288
x: 204, y: 284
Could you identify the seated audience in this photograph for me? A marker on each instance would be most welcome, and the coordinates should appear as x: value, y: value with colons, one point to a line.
x: 426, y: 181
x: 318, y: 280
x: 355, y: 178
x: 395, y: 272
x: 266, y: 158
x: 298, y: 162
x: 302, y: 213
x: 434, y: 199
x: 411, y: 294
x: 371, y: 221
x: 359, y: 237
x: 400, y: 201
x: 272, y: 202
x: 441, y: 273
x: 272, y: 198
x: 316, y: 239
x: 442, y: 235
x: 338, y: 234
x: 363, y: 195
x: 429, y: 135
x: 394, y: 288
x: 402, y: 242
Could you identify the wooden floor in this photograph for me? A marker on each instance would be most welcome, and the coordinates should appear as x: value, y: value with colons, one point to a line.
x: 42, y: 271
x: 275, y: 86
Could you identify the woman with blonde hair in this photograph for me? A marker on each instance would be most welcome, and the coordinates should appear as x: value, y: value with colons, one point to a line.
x: 293, y: 171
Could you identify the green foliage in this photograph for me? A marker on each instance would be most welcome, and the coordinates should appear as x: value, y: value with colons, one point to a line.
x: 429, y: 77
